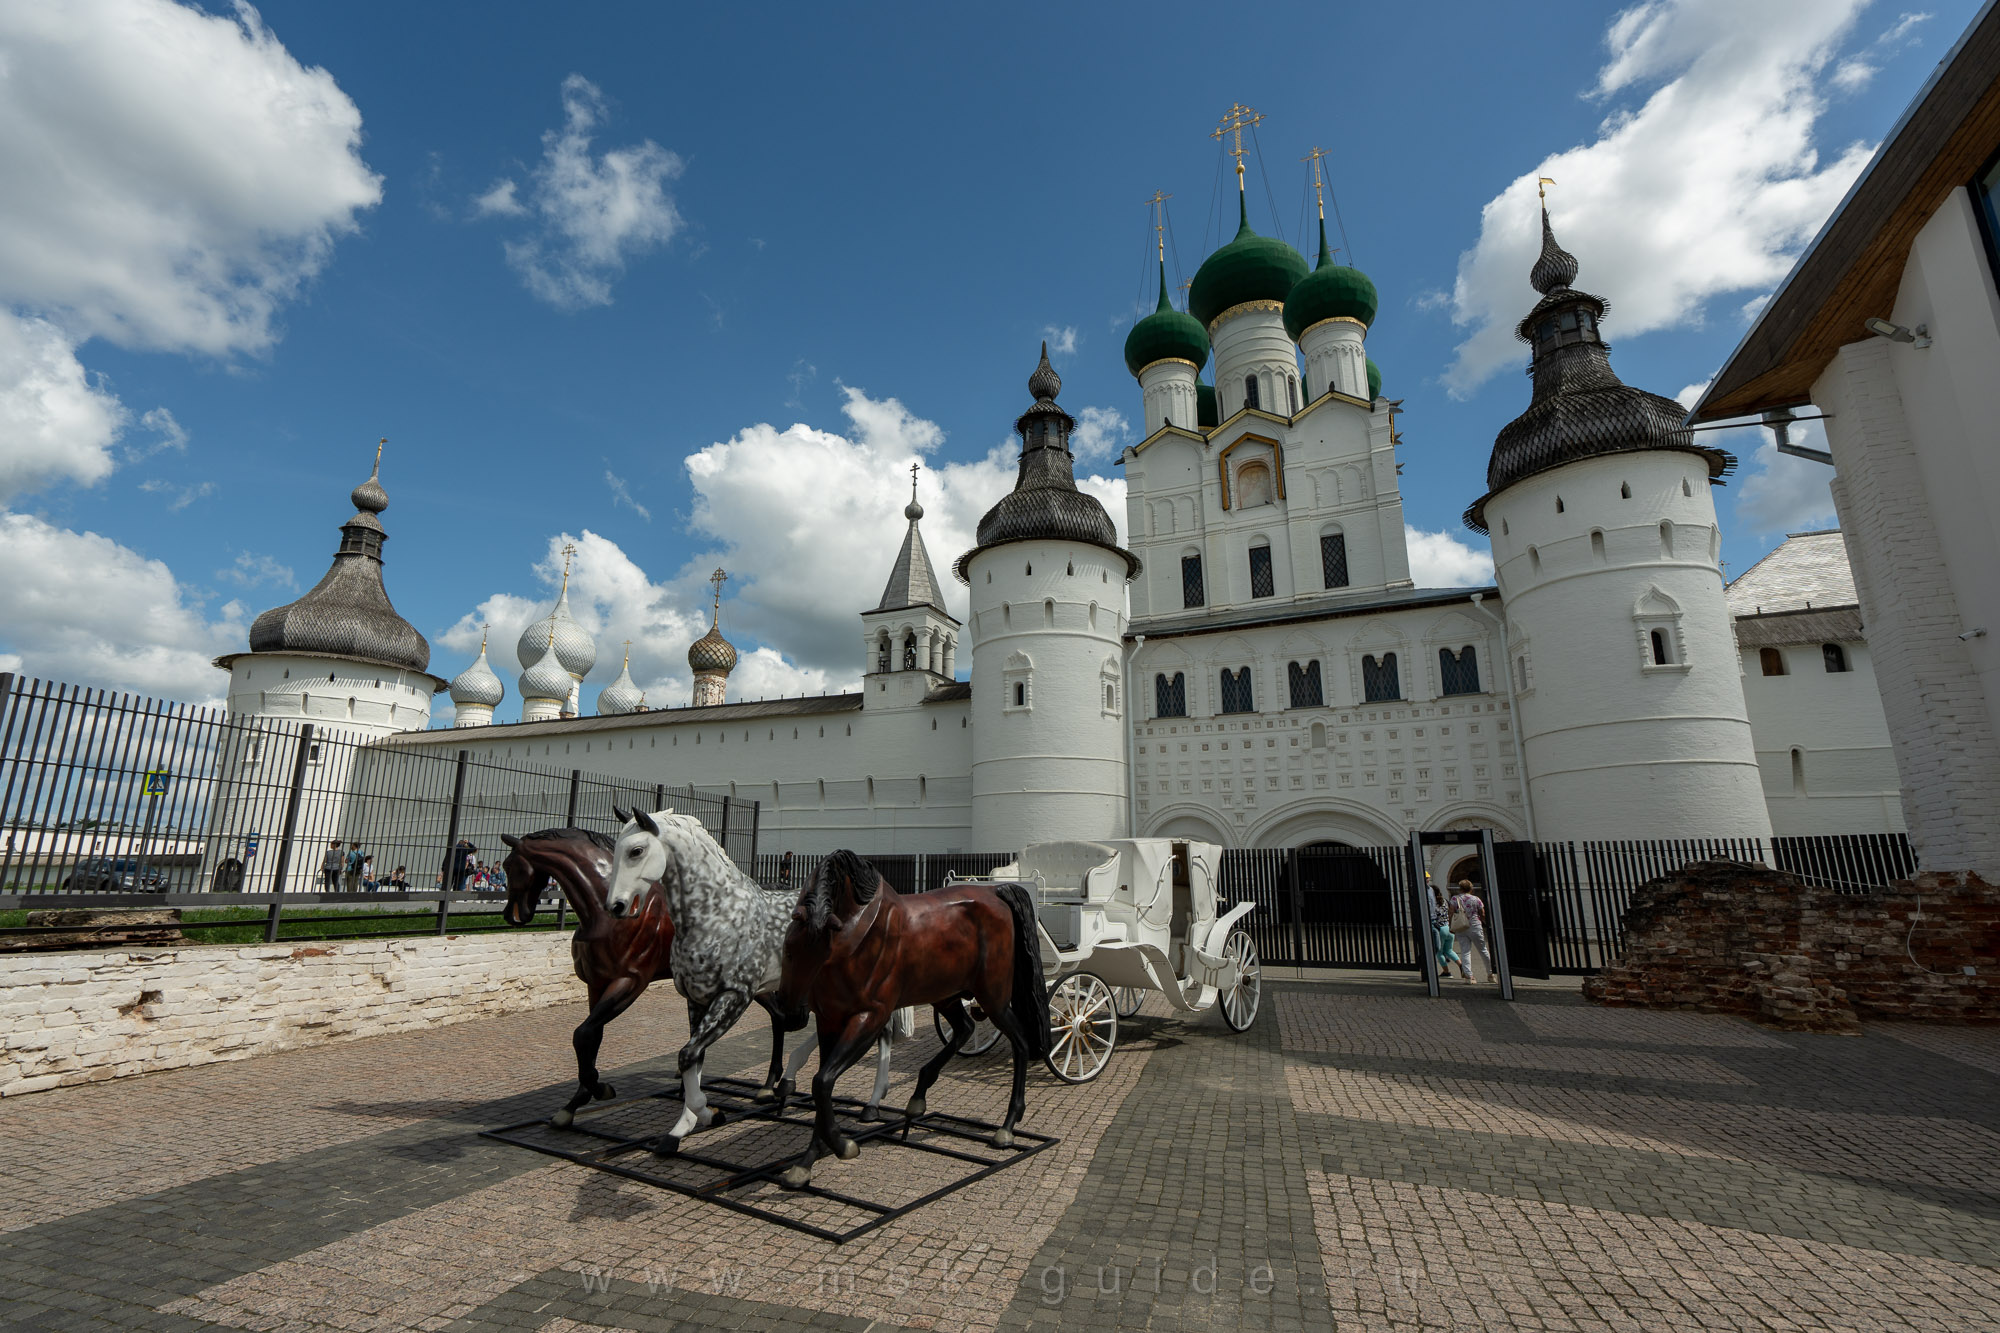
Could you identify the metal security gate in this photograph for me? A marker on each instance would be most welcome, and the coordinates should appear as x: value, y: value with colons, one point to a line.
x: 1325, y: 904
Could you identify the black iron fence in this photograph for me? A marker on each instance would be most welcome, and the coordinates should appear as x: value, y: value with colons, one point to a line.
x: 110, y: 792
x: 907, y: 872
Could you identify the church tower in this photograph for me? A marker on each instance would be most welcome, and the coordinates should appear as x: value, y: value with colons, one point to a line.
x: 1048, y: 621
x: 712, y: 657
x: 1605, y: 549
x: 574, y: 649
x: 476, y: 692
x: 909, y: 641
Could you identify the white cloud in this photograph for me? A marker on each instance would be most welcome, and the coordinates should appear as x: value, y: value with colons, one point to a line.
x: 1441, y: 560
x: 56, y: 424
x: 250, y: 571
x: 172, y: 435
x: 80, y: 607
x: 621, y: 494
x: 1708, y: 187
x: 1062, y: 341
x: 173, y: 176
x: 1778, y: 492
x: 178, y: 497
x: 1101, y: 433
x: 593, y: 212
x: 1854, y: 73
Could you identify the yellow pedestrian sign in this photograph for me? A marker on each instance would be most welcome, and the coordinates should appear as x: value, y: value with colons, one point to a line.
x: 156, y: 782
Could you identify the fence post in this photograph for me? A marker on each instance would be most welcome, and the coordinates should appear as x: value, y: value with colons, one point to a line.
x: 284, y: 866
x: 444, y: 911
x: 6, y: 736
x: 659, y: 796
x: 1298, y: 900
x: 575, y: 787
x: 1420, y: 904
x: 723, y: 836
x: 451, y: 837
x: 757, y: 822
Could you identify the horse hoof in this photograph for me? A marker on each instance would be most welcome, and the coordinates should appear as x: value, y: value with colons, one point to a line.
x: 846, y: 1150
x: 1003, y: 1138
x: 563, y: 1119
x: 795, y: 1178
x: 915, y: 1110
x: 870, y: 1115
x: 605, y: 1092
x: 666, y: 1146
x: 764, y: 1094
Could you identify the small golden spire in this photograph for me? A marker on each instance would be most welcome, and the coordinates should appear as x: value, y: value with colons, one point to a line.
x: 1158, y: 203
x: 482, y: 638
x: 628, y: 654
x: 569, y: 549
x: 378, y: 452
x: 718, y: 578
x: 1540, y: 182
x: 1234, y: 121
x: 1319, y: 195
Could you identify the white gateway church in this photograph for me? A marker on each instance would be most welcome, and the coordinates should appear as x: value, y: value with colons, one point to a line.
x: 1256, y: 668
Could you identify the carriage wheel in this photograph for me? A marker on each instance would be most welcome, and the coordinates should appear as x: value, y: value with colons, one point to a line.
x: 983, y: 1037
x: 1083, y: 1027
x: 1130, y: 999
x: 1239, y: 1002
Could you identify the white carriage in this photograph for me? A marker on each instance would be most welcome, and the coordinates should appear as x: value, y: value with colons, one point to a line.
x: 1119, y: 919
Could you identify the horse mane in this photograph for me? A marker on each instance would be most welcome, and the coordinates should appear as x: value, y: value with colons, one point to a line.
x: 860, y: 875
x: 604, y: 840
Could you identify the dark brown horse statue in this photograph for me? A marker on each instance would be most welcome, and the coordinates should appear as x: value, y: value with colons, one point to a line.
x: 616, y: 958
x: 856, y: 951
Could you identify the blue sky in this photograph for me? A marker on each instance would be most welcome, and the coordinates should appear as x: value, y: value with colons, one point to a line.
x: 862, y: 223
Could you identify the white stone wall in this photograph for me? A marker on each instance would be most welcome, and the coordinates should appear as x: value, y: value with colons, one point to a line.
x: 84, y: 1017
x: 1843, y: 776
x: 1615, y: 745
x: 1917, y: 483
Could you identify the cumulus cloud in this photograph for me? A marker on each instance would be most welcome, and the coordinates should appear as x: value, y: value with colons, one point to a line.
x: 58, y: 424
x: 592, y: 213
x: 80, y: 607
x: 173, y: 176
x: 251, y: 571
x: 1709, y: 186
x: 1101, y: 433
x: 1062, y: 341
x: 1855, y: 72
x: 1779, y: 492
x: 1441, y: 560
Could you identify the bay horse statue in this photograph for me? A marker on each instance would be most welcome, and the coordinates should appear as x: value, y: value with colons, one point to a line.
x: 616, y: 958
x: 727, y: 933
x: 855, y: 951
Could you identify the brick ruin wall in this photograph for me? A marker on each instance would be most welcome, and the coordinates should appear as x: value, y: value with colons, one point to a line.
x: 1742, y: 939
x: 86, y: 1016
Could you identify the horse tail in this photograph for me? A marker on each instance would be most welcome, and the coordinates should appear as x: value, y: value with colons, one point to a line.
x: 1031, y: 993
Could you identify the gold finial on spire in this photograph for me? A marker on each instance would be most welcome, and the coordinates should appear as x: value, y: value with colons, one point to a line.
x: 628, y: 654
x: 482, y: 638
x: 1540, y: 182
x: 1158, y: 203
x: 718, y: 578
x: 1234, y: 121
x: 569, y: 549
x: 1319, y: 191
x: 378, y: 452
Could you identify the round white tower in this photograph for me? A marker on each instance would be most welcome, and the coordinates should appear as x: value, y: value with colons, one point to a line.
x: 1605, y: 549
x: 476, y: 692
x: 1048, y: 623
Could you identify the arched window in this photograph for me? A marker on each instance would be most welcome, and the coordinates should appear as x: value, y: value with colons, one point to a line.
x: 1458, y: 673
x: 1597, y: 543
x: 910, y: 652
x: 1192, y: 592
x: 1236, y: 694
x: 1624, y: 490
x: 1170, y: 695
x: 1686, y: 489
x: 1835, y: 656
x: 1292, y: 391
x: 1798, y: 771
x: 1261, y: 584
x: 1020, y: 694
x: 1319, y: 736
x: 1304, y: 680
x: 1662, y: 656
x: 1379, y: 679
x: 1253, y: 485
x: 1772, y: 661
x: 1250, y: 391
x: 1333, y: 559
x: 1559, y: 504
x: 1110, y: 697
x: 882, y: 652
x: 1666, y: 536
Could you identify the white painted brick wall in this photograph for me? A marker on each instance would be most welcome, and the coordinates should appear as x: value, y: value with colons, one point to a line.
x: 84, y: 1017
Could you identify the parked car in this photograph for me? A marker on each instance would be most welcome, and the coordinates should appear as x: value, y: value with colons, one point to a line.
x: 103, y: 874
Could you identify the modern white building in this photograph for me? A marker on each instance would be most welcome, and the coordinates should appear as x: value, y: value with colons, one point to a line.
x: 1889, y: 329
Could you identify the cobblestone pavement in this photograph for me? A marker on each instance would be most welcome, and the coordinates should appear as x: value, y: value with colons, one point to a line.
x: 1365, y: 1157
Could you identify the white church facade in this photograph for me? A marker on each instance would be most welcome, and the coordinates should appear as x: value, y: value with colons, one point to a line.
x: 1253, y: 667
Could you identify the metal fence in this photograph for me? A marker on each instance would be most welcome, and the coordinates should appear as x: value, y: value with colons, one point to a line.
x: 907, y: 872
x: 112, y: 792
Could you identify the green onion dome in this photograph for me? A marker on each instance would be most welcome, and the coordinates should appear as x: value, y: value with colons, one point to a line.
x: 1249, y: 268
x: 1331, y: 290
x: 1166, y: 334
x: 1207, y: 415
x: 1374, y: 380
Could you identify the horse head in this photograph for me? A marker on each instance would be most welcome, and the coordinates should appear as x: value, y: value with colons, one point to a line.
x: 640, y: 858
x: 577, y: 859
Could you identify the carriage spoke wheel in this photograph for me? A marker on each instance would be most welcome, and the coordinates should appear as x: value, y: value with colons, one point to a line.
x: 1083, y: 1027
x: 983, y: 1037
x: 1239, y: 1002
x: 1130, y: 999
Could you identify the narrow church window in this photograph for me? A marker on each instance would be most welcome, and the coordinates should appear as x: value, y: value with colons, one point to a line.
x: 1798, y: 771
x: 1661, y: 657
x: 909, y: 652
x: 1380, y: 681
x: 1770, y: 659
x: 1458, y: 673
x: 1261, y: 584
x: 1624, y: 490
x: 1666, y: 537
x: 1110, y: 697
x: 1685, y: 488
x: 1049, y: 612
x: 1236, y: 697
x: 1020, y: 694
x: 1835, y: 655
x: 1292, y: 391
x: 1521, y: 673
x: 1031, y: 566
x: 1071, y: 569
x: 1597, y: 543
x: 1170, y: 695
x: 1192, y: 592
x: 1333, y: 559
x: 1305, y: 683
x: 1250, y: 391
x: 1559, y: 504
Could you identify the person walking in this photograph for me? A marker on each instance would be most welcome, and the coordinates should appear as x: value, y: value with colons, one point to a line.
x: 1441, y: 937
x: 354, y: 860
x: 330, y: 867
x: 1468, y: 930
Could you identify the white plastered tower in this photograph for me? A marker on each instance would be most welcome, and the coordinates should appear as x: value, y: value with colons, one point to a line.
x: 1605, y: 548
x: 1048, y: 621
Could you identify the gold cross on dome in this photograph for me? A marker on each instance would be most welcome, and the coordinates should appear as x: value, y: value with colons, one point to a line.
x: 913, y: 480
x: 1234, y: 121
x: 1315, y: 157
x: 718, y: 578
x: 1158, y: 204
x: 569, y: 549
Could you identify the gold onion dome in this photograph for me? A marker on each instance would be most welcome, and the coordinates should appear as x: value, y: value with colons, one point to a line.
x: 712, y: 652
x: 547, y: 678
x: 622, y: 695
x: 477, y: 684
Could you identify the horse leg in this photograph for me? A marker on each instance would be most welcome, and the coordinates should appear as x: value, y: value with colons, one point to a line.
x: 961, y: 1030
x: 836, y: 1057
x: 717, y: 1018
x: 789, y: 1080
x: 770, y: 1090
x: 873, y: 1111
x: 614, y: 1000
x: 1009, y: 1023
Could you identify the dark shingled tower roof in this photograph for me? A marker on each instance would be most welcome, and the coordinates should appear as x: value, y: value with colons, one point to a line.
x: 1581, y: 409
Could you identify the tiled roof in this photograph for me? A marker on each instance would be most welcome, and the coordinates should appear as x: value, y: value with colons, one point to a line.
x: 1808, y: 571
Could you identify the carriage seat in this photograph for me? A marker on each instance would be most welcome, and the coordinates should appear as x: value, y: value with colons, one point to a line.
x: 1065, y: 868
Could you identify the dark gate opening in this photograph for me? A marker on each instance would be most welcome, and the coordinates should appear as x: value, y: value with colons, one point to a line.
x: 1348, y: 908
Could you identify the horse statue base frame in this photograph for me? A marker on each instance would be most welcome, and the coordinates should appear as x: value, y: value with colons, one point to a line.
x: 619, y: 1137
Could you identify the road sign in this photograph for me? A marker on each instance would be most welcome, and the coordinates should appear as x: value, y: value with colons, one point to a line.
x: 156, y: 782
x: 249, y: 846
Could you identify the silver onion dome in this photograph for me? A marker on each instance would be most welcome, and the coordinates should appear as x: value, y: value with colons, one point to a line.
x: 546, y: 679
x: 477, y: 684
x: 575, y: 649
x: 622, y: 695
